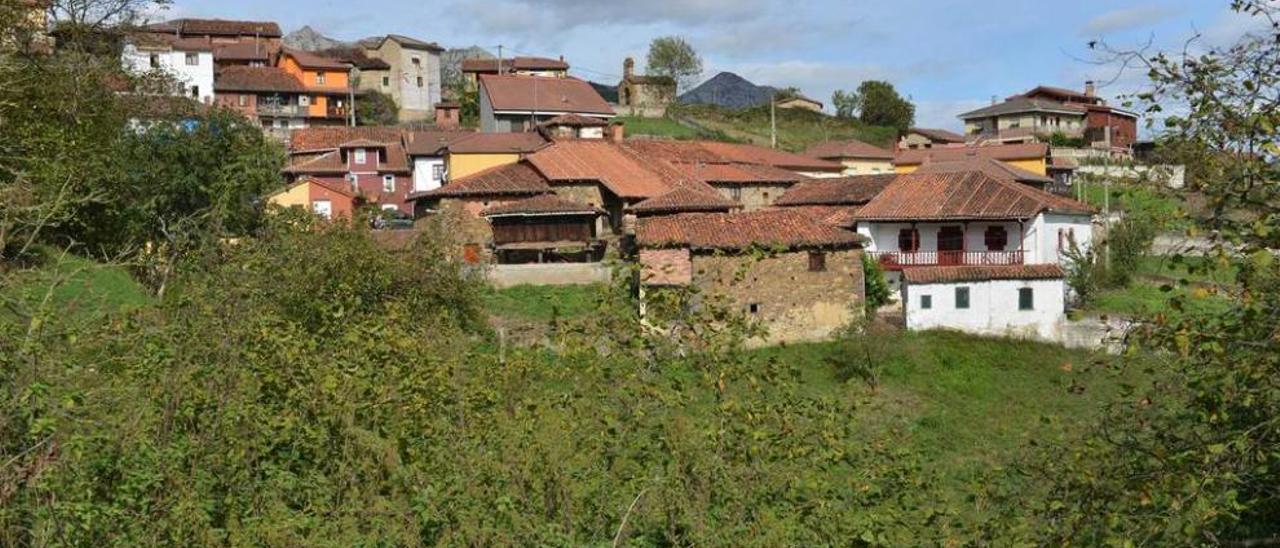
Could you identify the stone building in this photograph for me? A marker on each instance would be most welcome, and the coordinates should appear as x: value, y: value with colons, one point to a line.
x: 640, y: 95
x: 412, y: 78
x: 805, y: 286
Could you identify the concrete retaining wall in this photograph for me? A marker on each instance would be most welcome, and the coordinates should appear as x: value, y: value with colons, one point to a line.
x: 507, y: 275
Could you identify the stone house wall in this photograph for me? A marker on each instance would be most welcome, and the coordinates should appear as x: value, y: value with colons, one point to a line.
x: 752, y: 196
x: 780, y: 291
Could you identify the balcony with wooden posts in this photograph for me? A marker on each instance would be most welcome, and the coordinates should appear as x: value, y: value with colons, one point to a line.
x: 897, y: 260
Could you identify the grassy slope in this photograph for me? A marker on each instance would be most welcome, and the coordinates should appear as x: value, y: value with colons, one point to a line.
x: 797, y: 129
x: 541, y: 303
x: 81, y: 289
x: 1144, y: 295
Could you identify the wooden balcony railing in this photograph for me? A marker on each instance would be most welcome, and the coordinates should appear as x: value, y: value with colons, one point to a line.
x: 896, y: 260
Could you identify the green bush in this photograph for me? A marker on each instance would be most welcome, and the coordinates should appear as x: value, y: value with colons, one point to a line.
x: 878, y: 292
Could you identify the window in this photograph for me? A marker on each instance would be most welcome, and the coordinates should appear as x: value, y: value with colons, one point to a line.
x: 996, y: 237
x: 736, y: 193
x: 386, y: 81
x: 437, y: 172
x: 962, y: 298
x: 361, y: 156
x: 193, y: 59
x: 926, y: 302
x: 319, y: 78
x: 419, y: 81
x: 195, y: 92
x: 351, y: 178
x: 417, y: 61
x: 1026, y: 299
x: 155, y: 60
x: 754, y: 308
x: 388, y: 183
x: 817, y: 261
x: 244, y: 100
x: 909, y: 240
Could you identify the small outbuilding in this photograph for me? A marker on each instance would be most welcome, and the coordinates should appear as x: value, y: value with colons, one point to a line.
x: 1013, y: 300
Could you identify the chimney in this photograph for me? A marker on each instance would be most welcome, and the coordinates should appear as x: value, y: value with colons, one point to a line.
x: 616, y: 132
x: 628, y: 68
x: 993, y: 99
x: 1088, y: 88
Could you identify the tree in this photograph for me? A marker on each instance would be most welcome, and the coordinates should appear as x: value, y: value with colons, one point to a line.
x: 845, y: 103
x: 673, y: 57
x: 101, y: 15
x: 374, y: 108
x: 879, y: 104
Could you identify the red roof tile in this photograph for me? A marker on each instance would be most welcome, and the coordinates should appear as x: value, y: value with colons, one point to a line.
x: 1020, y: 151
x: 953, y: 274
x: 505, y: 180
x: 267, y: 79
x: 542, y: 204
x: 734, y: 231
x: 393, y: 160
x: 848, y: 148
x: 855, y: 190
x: 432, y: 142
x: 218, y: 27
x: 602, y: 161
x: 314, y: 138
x: 518, y: 63
x: 313, y: 61
x: 542, y: 94
x: 241, y: 52
x: 990, y: 166
x: 938, y: 135
x: 575, y: 120
x: 686, y: 198
x: 752, y: 154
x: 498, y: 143
x: 962, y: 195
x: 842, y: 216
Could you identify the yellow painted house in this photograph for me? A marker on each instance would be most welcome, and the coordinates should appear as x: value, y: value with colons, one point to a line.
x: 1032, y: 157
x: 488, y: 150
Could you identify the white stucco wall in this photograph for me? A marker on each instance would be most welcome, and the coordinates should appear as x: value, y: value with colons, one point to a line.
x: 993, y: 308
x: 198, y: 77
x: 1039, y: 242
x: 424, y: 171
x: 1043, y: 235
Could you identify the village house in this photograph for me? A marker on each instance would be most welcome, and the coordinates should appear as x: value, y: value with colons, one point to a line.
x: 798, y: 101
x: 185, y: 64
x: 919, y: 137
x: 835, y: 201
x: 427, y: 150
x: 233, y: 42
x: 463, y: 199
x: 743, y: 174
x: 803, y: 283
x: 519, y: 103
x: 481, y: 151
x: 574, y: 126
x: 371, y: 161
x: 1045, y: 111
x: 857, y: 157
x: 328, y: 200
x: 472, y: 69
x: 1032, y: 157
x: 328, y: 97
x: 641, y: 95
x: 268, y: 96
x: 412, y: 78
x: 1009, y: 300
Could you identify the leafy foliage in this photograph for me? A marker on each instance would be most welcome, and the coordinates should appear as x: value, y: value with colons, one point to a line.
x: 878, y: 292
x: 673, y: 57
x: 374, y: 108
x: 879, y: 104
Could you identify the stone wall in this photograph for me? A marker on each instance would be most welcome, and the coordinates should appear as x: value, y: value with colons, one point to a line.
x: 752, y: 197
x: 508, y: 275
x: 780, y: 291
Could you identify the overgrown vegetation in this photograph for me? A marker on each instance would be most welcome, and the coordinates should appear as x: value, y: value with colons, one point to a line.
x: 798, y: 129
x: 876, y: 288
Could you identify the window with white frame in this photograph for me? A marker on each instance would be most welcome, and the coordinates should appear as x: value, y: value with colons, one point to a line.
x: 388, y: 183
x: 437, y: 172
x: 193, y: 59
x: 361, y: 156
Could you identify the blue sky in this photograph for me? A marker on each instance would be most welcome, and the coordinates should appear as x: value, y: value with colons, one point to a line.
x: 947, y: 55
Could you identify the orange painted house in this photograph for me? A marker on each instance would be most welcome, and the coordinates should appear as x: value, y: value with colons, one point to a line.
x: 327, y: 84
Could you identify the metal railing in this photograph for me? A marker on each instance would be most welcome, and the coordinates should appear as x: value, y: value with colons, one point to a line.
x: 281, y: 110
x: 897, y: 259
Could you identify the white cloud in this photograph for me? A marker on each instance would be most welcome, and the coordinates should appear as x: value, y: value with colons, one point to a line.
x: 1127, y: 19
x: 942, y: 113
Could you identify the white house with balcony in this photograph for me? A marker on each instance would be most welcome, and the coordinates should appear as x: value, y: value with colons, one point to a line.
x: 976, y: 252
x: 186, y: 62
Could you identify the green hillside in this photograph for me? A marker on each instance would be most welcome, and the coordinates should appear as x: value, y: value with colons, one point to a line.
x: 797, y: 129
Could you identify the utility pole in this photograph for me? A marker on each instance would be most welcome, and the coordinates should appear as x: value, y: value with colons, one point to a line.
x: 351, y: 95
x: 499, y: 59
x: 773, y: 120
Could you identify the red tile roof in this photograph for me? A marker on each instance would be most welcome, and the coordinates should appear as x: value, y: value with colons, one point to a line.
x: 432, y: 142
x: 241, y: 52
x: 315, y: 138
x: 218, y: 27
x: 939, y: 135
x: 498, y: 143
x: 310, y: 60
x: 738, y: 173
x: 355, y: 57
x: 542, y: 94
x: 752, y: 154
x: 855, y: 190
x: 686, y: 198
x: 518, y: 63
x: 990, y: 166
x: 735, y: 231
x: 602, y: 161
x: 542, y: 204
x: 953, y: 274
x: 1019, y: 151
x: 842, y: 216
x: 145, y: 40
x: 393, y: 161
x: 267, y: 79
x: 962, y: 195
x: 505, y: 180
x: 575, y: 120
x: 848, y: 148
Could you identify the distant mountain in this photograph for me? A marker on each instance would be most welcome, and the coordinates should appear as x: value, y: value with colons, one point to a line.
x: 607, y: 92
x: 728, y: 90
x: 306, y: 38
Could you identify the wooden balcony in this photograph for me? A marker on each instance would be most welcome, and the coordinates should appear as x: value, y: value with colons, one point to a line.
x: 897, y: 260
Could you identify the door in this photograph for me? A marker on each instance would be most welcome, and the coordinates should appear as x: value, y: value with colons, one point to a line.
x: 323, y: 208
x: 951, y: 245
